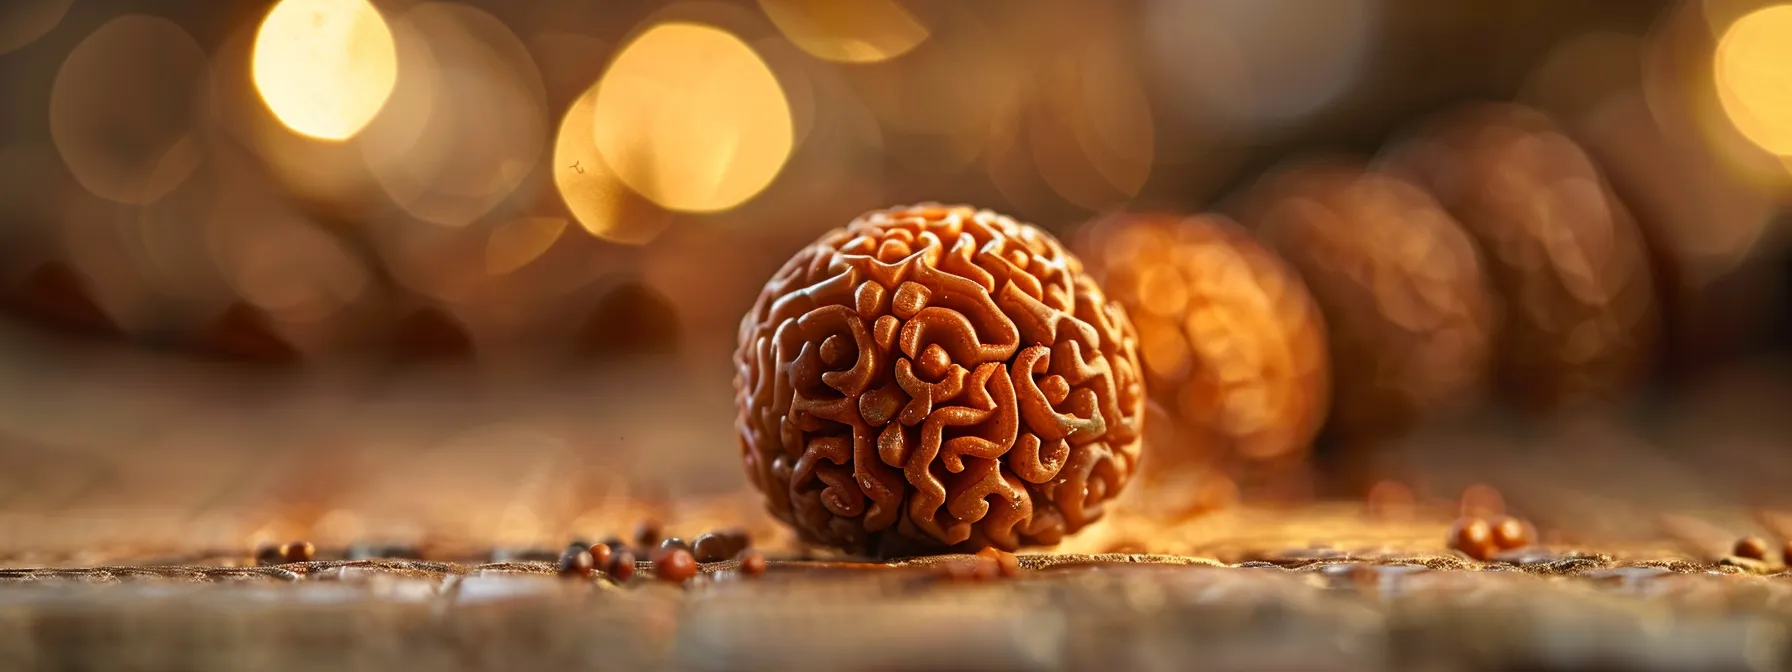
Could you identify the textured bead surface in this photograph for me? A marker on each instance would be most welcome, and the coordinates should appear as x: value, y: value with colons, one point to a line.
x: 936, y: 376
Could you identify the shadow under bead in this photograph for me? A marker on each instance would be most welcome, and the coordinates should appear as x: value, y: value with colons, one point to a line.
x: 1568, y: 262
x: 1407, y: 306
x: 931, y: 377
x: 1233, y: 346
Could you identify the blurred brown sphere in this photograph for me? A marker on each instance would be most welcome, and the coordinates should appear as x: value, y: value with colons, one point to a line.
x: 937, y: 376
x: 1406, y: 304
x: 1233, y: 345
x: 1569, y: 263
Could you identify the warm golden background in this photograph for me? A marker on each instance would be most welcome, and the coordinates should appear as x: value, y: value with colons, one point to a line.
x: 344, y: 269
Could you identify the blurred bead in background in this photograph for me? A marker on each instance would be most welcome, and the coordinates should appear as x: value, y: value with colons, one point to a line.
x: 1232, y: 344
x: 1407, y: 304
x: 1569, y: 265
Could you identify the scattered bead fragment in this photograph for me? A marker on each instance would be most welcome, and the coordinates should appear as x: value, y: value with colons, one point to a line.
x: 298, y: 551
x: 600, y: 555
x: 647, y: 533
x: 674, y: 564
x: 622, y: 566
x: 1472, y: 536
x: 1753, y: 548
x: 577, y: 562
x: 1510, y: 533
x: 269, y: 554
x: 716, y: 546
x: 752, y: 563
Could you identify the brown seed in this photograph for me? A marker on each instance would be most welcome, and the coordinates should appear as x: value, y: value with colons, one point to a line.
x: 298, y: 551
x: 1753, y: 548
x: 622, y: 566
x: 674, y: 564
x: 269, y: 554
x: 714, y: 547
x: 600, y: 555
x: 1007, y: 565
x: 1509, y: 533
x: 647, y: 533
x: 577, y: 562
x: 674, y: 542
x: 752, y: 563
x: 1474, y: 537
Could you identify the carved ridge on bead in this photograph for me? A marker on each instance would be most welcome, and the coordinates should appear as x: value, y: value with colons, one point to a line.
x: 935, y: 376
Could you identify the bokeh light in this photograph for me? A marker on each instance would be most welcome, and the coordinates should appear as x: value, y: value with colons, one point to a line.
x: 591, y: 192
x: 23, y: 21
x: 1754, y: 77
x: 325, y: 67
x: 121, y: 109
x: 690, y: 117
x: 847, y: 31
x: 516, y: 243
x: 467, y: 120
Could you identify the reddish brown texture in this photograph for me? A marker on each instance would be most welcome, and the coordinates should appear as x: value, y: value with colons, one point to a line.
x: 1568, y: 260
x: 1232, y: 344
x: 932, y: 377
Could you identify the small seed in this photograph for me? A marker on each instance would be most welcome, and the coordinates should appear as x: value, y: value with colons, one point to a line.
x: 714, y: 547
x: 674, y: 564
x: 298, y: 551
x: 752, y: 563
x: 600, y: 555
x: 576, y: 563
x: 270, y: 554
x: 647, y: 533
x: 1472, y: 536
x: 1753, y: 548
x: 622, y: 566
x: 1509, y: 533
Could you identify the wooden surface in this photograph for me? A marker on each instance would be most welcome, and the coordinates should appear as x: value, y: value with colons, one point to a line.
x: 132, y: 493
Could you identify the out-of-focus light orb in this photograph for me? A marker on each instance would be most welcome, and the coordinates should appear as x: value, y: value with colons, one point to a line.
x: 591, y: 192
x: 325, y: 67
x: 847, y: 31
x: 518, y: 242
x: 23, y: 21
x: 467, y: 121
x: 1754, y: 77
x: 690, y: 117
x: 121, y: 109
